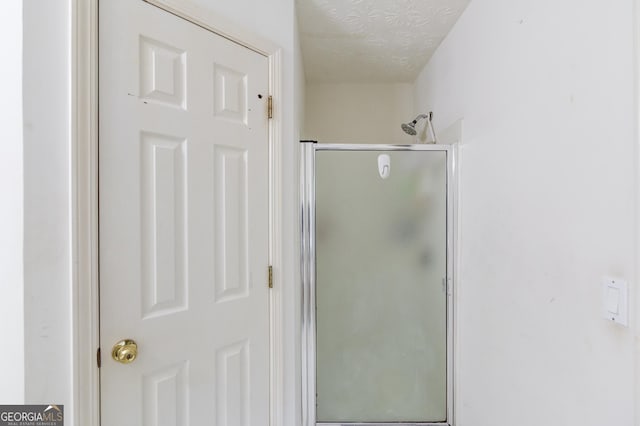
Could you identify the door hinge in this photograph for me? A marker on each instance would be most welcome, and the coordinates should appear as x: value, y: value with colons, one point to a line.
x: 99, y: 358
x: 270, y: 107
x: 270, y: 276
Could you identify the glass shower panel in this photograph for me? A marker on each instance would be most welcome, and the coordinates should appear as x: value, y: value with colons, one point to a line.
x: 381, y: 304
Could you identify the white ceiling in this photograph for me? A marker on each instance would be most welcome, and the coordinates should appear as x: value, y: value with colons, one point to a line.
x: 372, y: 40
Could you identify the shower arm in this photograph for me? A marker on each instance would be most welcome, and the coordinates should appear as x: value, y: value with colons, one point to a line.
x: 429, y: 118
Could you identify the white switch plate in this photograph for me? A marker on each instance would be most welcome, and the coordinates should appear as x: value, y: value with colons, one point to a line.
x: 615, y: 300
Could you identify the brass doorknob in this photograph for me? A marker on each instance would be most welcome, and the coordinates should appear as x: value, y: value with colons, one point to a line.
x: 125, y: 351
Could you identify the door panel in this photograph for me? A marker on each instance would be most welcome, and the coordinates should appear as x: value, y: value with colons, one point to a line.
x: 380, y: 298
x: 183, y: 222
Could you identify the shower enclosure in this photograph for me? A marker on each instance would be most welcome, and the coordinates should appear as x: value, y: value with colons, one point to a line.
x: 377, y: 284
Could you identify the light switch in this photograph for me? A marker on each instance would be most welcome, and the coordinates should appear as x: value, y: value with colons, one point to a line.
x: 615, y: 300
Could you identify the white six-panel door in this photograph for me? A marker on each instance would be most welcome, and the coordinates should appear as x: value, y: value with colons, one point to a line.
x: 183, y: 170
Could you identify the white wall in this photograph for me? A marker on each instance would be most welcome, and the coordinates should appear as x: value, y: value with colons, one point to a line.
x: 358, y: 113
x: 548, y: 172
x: 47, y: 199
x: 11, y: 222
x: 300, y: 83
x: 295, y: 416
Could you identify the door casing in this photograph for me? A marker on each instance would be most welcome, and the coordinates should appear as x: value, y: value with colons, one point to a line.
x: 84, y: 181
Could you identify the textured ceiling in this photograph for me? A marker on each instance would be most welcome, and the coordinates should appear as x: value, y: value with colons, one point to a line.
x: 372, y: 40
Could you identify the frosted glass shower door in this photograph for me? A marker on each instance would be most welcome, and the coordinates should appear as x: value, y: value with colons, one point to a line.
x: 380, y: 293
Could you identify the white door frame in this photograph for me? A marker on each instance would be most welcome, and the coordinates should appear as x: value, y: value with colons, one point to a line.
x: 84, y: 187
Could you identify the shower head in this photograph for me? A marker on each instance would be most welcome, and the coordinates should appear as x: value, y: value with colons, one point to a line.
x: 410, y: 128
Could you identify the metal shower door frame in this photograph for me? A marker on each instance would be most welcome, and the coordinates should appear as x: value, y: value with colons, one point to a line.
x: 308, y: 151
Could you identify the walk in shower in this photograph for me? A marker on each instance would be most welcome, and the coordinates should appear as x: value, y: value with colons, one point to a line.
x: 377, y: 284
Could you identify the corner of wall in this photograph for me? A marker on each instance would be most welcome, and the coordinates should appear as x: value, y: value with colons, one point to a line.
x: 300, y: 85
x: 11, y: 214
x: 635, y: 288
x: 47, y: 202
